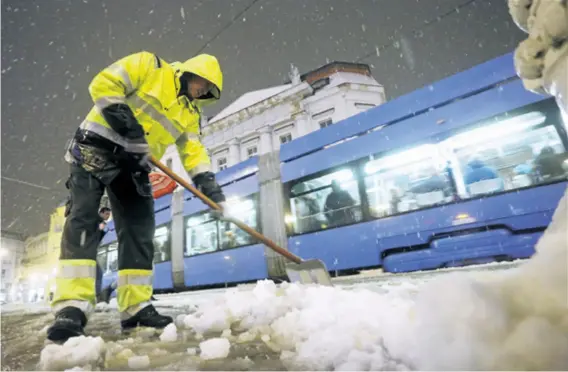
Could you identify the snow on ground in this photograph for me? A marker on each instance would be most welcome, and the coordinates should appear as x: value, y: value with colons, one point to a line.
x: 372, y: 279
x: 513, y: 319
x: 83, y: 352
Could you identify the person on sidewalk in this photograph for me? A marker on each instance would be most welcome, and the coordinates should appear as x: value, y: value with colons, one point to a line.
x: 104, y: 215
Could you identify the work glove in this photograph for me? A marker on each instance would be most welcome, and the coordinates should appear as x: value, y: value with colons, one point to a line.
x: 205, y: 182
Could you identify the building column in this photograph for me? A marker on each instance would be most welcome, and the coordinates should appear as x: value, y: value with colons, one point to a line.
x: 265, y: 142
x: 234, y: 157
x: 347, y: 108
x: 302, y: 125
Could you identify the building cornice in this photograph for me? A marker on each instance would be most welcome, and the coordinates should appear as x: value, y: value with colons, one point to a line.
x: 293, y: 94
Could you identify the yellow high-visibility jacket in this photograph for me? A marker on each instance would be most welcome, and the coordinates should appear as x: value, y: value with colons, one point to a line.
x: 150, y: 87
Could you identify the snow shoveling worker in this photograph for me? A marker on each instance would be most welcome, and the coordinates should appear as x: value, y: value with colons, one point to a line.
x: 142, y: 105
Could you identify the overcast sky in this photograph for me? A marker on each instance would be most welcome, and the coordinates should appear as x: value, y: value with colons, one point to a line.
x: 51, y: 49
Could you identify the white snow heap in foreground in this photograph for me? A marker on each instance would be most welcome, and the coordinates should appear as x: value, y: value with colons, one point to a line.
x: 511, y: 320
x: 169, y: 333
x: 76, y: 352
x: 215, y: 348
x: 516, y: 320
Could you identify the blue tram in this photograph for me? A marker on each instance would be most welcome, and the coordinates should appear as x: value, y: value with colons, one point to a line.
x: 467, y: 170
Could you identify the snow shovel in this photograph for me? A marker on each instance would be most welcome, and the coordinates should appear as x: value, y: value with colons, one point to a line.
x: 305, y: 272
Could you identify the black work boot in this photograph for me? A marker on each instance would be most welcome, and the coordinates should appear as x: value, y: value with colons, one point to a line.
x: 69, y: 322
x: 147, y: 317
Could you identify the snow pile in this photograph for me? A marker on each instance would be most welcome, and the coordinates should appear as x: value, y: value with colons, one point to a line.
x: 169, y: 334
x: 139, y: 362
x: 215, y: 348
x: 510, y: 320
x: 82, y: 351
x: 515, y: 320
x: 313, y: 327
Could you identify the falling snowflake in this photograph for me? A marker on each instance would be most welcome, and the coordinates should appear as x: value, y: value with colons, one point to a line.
x: 182, y: 12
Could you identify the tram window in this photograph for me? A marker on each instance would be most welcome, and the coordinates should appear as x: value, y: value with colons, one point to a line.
x: 162, y: 244
x: 112, y: 257
x: 327, y: 201
x: 517, y: 152
x: 244, y: 210
x: 200, y: 234
x: 408, y: 180
x: 102, y: 258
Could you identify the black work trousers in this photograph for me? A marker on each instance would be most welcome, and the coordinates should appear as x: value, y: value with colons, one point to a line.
x: 132, y: 208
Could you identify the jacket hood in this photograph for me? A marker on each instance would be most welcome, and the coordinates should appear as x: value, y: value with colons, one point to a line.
x: 207, y: 67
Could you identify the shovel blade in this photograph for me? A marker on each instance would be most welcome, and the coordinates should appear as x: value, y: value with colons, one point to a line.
x: 309, y: 272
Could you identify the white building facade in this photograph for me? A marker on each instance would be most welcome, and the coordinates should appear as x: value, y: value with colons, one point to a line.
x: 11, y: 254
x: 261, y: 121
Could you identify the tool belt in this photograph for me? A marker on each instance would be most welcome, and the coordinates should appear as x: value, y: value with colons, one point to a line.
x: 95, y: 154
x: 105, y: 160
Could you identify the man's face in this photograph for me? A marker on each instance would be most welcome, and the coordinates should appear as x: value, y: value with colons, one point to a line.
x: 105, y: 215
x: 198, y: 87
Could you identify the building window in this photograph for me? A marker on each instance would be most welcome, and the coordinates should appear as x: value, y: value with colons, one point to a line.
x: 325, y: 201
x: 285, y: 138
x: 205, y: 234
x: 325, y: 123
x: 162, y: 244
x: 221, y: 163
x: 530, y: 154
x: 252, y: 151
